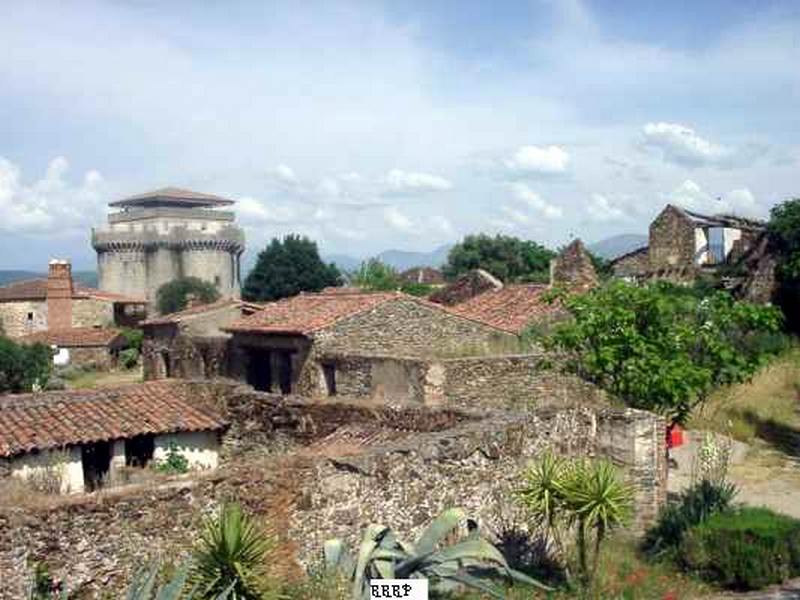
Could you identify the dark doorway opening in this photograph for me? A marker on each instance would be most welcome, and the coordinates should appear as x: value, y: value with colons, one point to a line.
x: 139, y: 450
x: 259, y: 371
x: 166, y: 364
x: 284, y: 364
x: 96, y: 462
x: 329, y: 372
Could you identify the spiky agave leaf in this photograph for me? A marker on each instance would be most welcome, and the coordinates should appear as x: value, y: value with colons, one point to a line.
x: 371, y: 540
x: 447, y: 521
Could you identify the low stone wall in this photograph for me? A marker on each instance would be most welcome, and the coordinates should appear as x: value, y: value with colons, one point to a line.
x: 424, y: 460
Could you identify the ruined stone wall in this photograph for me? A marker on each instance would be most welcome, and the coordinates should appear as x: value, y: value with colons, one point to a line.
x: 424, y: 462
x: 405, y: 328
x: 98, y: 357
x: 14, y: 317
x: 91, y: 312
x: 573, y: 268
x: 672, y: 240
x: 632, y: 264
x: 183, y: 356
x: 524, y: 381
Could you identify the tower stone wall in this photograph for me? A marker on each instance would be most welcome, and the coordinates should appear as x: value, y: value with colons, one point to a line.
x: 142, y: 248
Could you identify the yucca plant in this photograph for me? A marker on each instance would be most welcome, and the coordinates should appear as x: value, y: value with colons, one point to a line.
x: 232, y: 554
x: 595, y: 501
x: 579, y: 495
x: 471, y: 561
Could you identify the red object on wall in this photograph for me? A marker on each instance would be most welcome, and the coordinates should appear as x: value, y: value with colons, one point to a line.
x: 674, y: 436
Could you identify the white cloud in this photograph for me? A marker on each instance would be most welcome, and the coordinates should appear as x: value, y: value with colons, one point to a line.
x: 600, y: 208
x: 740, y: 201
x: 50, y: 205
x: 542, y: 160
x: 523, y: 193
x: 516, y: 215
x: 681, y: 145
x: 397, y: 220
x: 441, y: 225
x: 408, y: 181
x: 252, y: 211
x: 285, y: 175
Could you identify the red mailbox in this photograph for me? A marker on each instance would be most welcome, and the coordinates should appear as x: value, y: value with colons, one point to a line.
x: 674, y: 436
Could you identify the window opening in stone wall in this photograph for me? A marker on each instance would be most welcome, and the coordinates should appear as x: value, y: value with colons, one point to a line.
x: 30, y: 316
x: 139, y: 450
x: 217, y: 280
x: 285, y: 372
x: 96, y: 462
x: 259, y: 369
x: 329, y: 372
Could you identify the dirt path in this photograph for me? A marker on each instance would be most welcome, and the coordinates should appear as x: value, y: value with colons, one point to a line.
x: 764, y: 476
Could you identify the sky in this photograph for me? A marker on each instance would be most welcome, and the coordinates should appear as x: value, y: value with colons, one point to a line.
x: 374, y: 125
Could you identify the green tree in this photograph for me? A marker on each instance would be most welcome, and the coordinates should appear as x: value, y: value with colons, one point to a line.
x: 173, y: 296
x: 24, y: 367
x: 509, y: 258
x: 784, y: 232
x: 287, y: 267
x: 375, y: 275
x: 661, y: 347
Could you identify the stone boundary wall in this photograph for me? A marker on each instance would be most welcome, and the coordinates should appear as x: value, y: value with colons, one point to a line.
x: 434, y: 459
x: 498, y: 382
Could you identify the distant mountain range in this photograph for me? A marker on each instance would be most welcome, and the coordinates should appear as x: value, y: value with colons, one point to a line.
x: 398, y: 259
x: 618, y: 245
x: 87, y: 278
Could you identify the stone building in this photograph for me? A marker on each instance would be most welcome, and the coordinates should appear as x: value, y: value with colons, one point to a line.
x: 80, y: 440
x: 167, y: 234
x: 573, y: 268
x: 305, y: 344
x: 85, y: 347
x: 683, y: 243
x: 57, y: 303
x: 191, y: 343
x: 466, y: 286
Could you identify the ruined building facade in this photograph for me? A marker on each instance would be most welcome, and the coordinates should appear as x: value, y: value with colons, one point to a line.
x: 160, y: 236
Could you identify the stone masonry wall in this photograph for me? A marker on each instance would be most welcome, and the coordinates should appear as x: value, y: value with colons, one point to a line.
x: 405, y: 328
x: 14, y: 317
x: 672, y: 241
x: 90, y: 312
x: 425, y: 460
x: 632, y: 264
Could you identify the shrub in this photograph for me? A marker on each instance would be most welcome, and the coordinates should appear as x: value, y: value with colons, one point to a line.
x: 748, y: 548
x: 174, y: 463
x: 24, y: 368
x: 129, y: 358
x: 133, y: 337
x: 173, y: 296
x: 697, y: 504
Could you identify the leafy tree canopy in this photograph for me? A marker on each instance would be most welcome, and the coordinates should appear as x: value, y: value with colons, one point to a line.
x: 509, y: 258
x: 664, y: 348
x: 287, y: 267
x: 784, y: 232
x: 173, y: 296
x: 23, y: 367
x: 376, y: 275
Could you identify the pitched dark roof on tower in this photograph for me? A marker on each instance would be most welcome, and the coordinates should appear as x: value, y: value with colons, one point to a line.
x: 174, y: 196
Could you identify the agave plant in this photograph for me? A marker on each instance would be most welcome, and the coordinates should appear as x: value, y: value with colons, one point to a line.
x: 471, y: 561
x: 143, y: 586
x: 232, y: 554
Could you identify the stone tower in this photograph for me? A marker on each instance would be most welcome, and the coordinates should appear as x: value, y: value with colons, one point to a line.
x: 573, y: 268
x: 167, y: 234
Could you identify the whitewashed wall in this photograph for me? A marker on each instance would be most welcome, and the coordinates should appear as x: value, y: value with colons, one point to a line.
x: 201, y: 448
x: 48, y: 464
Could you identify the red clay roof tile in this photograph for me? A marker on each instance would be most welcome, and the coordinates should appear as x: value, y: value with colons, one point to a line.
x: 30, y: 422
x: 510, y: 308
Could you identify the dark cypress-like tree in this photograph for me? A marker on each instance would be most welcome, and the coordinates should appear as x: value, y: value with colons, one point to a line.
x: 287, y: 267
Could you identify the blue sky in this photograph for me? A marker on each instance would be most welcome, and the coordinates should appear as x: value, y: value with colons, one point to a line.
x: 370, y: 125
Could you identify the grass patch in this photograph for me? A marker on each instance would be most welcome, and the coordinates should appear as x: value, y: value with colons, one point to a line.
x: 623, y: 574
x: 87, y: 380
x: 766, y: 408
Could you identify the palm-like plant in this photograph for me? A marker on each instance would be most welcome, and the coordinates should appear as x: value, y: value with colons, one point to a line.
x: 579, y: 494
x: 595, y: 500
x: 232, y: 554
x: 470, y: 561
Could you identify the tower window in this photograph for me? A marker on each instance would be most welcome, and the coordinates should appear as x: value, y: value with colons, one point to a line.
x: 30, y: 316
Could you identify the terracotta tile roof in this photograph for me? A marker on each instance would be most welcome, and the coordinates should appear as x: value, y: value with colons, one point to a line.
x: 36, y: 289
x: 174, y: 196
x: 46, y: 420
x: 510, y: 308
x: 77, y: 337
x: 247, y: 308
x: 307, y: 313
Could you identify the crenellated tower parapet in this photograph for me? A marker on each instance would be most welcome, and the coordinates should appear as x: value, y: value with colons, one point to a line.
x: 164, y: 235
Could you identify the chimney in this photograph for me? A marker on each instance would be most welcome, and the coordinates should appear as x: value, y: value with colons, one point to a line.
x: 59, y: 295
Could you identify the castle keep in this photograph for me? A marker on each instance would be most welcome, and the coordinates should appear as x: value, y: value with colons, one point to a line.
x: 167, y: 234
